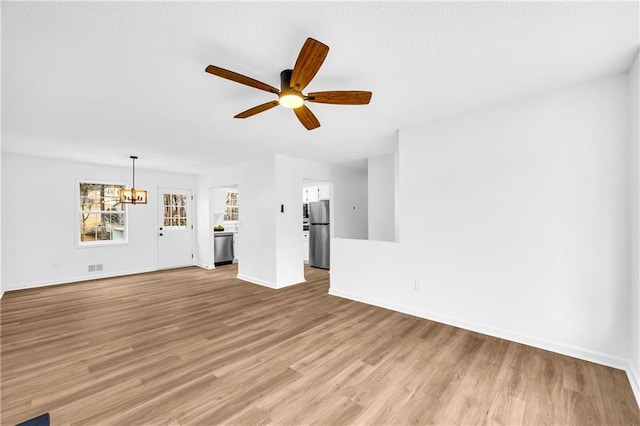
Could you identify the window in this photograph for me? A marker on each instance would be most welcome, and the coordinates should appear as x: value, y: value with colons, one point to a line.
x: 231, y: 207
x: 175, y: 210
x: 102, y: 217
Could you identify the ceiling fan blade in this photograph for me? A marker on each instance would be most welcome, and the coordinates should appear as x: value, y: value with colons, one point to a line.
x: 256, y: 110
x: 308, y: 63
x: 306, y: 117
x: 239, y: 78
x: 340, y: 97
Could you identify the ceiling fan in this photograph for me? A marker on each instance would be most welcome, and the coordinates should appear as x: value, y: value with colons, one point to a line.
x: 293, y: 82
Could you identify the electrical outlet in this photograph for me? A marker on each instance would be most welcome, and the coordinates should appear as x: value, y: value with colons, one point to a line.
x: 417, y: 286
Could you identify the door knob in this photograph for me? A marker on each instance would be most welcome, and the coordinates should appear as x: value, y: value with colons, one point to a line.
x: 160, y: 234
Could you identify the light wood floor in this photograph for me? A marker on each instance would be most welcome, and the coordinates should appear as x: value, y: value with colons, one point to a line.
x: 191, y: 346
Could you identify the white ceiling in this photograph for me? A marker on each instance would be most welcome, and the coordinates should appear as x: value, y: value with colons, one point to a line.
x: 97, y: 82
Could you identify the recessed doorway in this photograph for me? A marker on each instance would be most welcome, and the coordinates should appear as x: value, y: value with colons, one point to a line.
x: 316, y: 223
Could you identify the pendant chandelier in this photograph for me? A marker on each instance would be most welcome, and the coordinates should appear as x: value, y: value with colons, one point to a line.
x: 133, y: 196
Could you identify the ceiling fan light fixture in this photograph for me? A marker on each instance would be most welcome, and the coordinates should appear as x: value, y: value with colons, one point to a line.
x: 291, y: 99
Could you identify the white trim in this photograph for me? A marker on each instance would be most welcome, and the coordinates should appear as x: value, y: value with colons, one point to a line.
x: 634, y: 380
x: 103, y: 243
x: 204, y: 266
x: 576, y: 352
x: 290, y: 284
x: 256, y: 281
x: 82, y: 278
x: 266, y: 283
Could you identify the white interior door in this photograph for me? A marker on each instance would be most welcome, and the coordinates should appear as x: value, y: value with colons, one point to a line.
x: 175, y: 228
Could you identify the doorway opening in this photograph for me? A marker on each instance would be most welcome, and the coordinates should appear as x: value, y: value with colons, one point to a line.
x: 224, y: 220
x: 317, y: 214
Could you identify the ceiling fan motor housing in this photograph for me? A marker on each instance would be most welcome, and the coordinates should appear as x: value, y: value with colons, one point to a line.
x: 285, y: 80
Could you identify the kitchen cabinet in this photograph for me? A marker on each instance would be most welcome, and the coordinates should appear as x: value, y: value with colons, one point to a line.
x: 309, y: 194
x: 315, y: 193
x: 323, y: 192
x: 305, y: 246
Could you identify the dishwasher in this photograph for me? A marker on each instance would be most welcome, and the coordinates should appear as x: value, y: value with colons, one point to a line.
x: 223, y: 248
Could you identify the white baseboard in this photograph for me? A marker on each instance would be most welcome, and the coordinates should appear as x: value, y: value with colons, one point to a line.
x: 266, y: 283
x: 205, y: 266
x: 585, y: 354
x: 257, y: 281
x: 81, y: 278
x: 634, y: 380
x: 294, y: 283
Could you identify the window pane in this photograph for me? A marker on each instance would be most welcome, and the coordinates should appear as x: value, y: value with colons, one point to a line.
x: 86, y: 228
x: 231, y: 207
x: 175, y: 210
x: 102, y: 217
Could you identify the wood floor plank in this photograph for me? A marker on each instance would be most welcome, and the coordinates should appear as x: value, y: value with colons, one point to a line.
x: 194, y: 346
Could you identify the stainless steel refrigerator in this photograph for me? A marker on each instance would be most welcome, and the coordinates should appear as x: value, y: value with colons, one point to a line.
x: 319, y: 234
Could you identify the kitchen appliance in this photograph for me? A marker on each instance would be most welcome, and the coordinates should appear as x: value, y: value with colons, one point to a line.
x: 319, y: 234
x: 223, y: 248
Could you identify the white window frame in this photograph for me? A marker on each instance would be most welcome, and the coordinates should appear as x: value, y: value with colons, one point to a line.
x: 78, y: 219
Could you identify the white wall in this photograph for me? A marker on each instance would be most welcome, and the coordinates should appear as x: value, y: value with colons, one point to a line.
x: 271, y: 240
x: 256, y: 184
x: 382, y: 205
x: 522, y: 229
x: 258, y: 207
x: 39, y: 225
x: 348, y: 209
x: 218, y: 199
x: 634, y: 90
x: 290, y: 265
x: 1, y: 285
x: 350, y: 202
